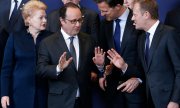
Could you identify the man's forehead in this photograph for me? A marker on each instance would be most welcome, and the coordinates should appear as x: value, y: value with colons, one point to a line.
x: 73, y: 11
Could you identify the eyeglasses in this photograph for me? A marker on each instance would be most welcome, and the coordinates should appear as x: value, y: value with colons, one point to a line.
x: 74, y: 21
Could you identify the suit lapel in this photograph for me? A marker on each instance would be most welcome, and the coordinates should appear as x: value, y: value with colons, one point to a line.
x: 81, y: 51
x: 155, y: 42
x: 127, y: 32
x: 142, y: 48
x: 109, y: 34
x: 6, y: 10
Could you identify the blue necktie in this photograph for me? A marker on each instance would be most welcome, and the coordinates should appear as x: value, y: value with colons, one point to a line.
x: 117, y: 36
x: 72, y: 50
x: 147, y: 47
x: 14, y: 13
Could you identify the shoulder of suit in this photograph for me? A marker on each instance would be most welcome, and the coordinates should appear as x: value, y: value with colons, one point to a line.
x: 52, y: 37
x: 89, y: 12
x: 82, y: 34
x: 54, y: 13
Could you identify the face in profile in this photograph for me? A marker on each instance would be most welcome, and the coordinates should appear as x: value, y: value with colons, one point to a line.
x: 71, y: 24
x: 37, y: 20
x: 138, y: 17
x: 73, y: 1
x: 129, y: 3
x: 106, y: 11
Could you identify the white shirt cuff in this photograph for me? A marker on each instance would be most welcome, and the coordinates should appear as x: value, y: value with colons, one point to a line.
x: 58, y: 70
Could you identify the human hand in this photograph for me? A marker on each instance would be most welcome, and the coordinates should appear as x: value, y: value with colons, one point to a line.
x: 108, y: 69
x: 116, y: 59
x: 63, y: 62
x: 129, y: 86
x: 173, y: 105
x: 5, y: 101
x: 93, y: 76
x: 102, y: 83
x: 99, y: 57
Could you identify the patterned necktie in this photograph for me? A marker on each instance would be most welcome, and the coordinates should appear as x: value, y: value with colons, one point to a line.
x: 72, y: 50
x: 117, y: 36
x: 147, y: 47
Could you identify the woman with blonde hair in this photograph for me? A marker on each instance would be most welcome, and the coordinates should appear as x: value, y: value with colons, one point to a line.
x: 18, y: 81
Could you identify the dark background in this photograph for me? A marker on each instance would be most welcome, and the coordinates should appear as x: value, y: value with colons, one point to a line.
x: 164, y: 6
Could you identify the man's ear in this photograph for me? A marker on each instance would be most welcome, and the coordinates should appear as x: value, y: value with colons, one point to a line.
x: 146, y: 14
x: 61, y: 20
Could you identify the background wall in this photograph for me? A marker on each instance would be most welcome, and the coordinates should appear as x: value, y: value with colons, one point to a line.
x: 164, y: 5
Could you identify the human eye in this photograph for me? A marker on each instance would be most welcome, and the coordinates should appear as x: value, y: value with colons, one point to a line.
x: 73, y: 21
x: 80, y: 20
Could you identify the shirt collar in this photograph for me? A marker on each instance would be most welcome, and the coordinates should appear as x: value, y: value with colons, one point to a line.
x: 124, y: 16
x: 65, y: 35
x: 153, y: 28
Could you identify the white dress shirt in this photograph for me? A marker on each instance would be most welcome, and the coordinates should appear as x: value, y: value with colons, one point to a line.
x: 123, y: 19
x: 152, y: 31
x: 76, y: 46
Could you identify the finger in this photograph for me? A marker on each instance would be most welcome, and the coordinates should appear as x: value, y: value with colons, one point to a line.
x: 69, y: 60
x: 105, y: 83
x: 93, y: 59
x: 125, y: 88
x: 110, y: 53
x: 102, y: 51
x: 110, y: 58
x: 95, y: 50
x: 98, y: 50
x: 62, y: 56
x: 102, y: 86
x: 114, y: 52
x: 104, y: 54
x: 130, y: 89
x: 8, y: 102
x: 121, y: 86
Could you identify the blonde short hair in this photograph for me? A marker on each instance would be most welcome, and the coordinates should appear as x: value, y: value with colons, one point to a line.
x: 31, y: 6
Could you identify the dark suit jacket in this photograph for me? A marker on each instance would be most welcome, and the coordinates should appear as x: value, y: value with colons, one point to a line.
x: 89, y: 26
x: 18, y: 23
x: 163, y: 69
x: 63, y: 88
x: 128, y: 52
x: 172, y: 19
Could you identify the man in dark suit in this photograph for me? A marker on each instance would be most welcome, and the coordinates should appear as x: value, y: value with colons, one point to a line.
x: 158, y: 51
x: 172, y: 19
x: 16, y: 22
x: 65, y: 58
x: 5, y: 15
x: 90, y: 24
x: 131, y: 79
